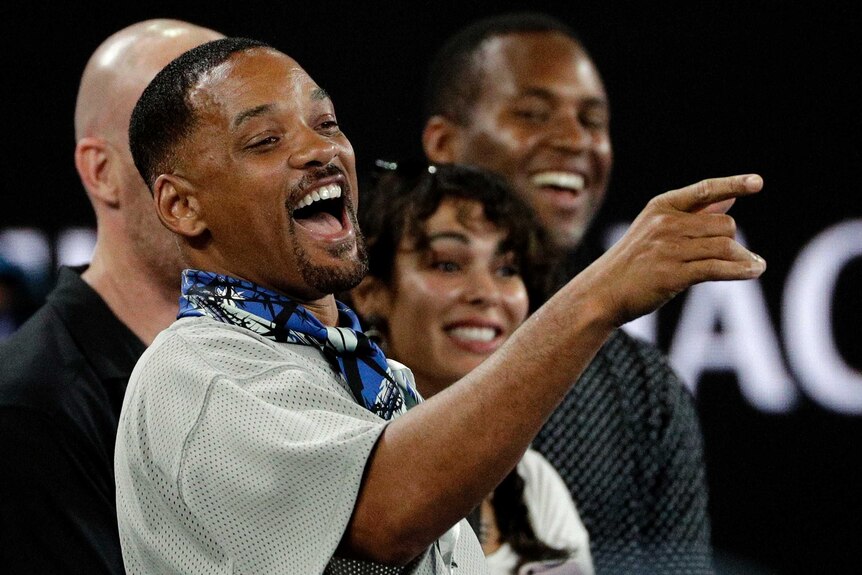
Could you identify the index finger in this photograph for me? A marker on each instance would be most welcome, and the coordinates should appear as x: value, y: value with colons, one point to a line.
x: 698, y: 196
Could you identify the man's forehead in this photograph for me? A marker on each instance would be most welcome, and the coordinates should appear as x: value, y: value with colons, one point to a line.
x: 262, y: 66
x: 526, y: 61
x: 254, y: 78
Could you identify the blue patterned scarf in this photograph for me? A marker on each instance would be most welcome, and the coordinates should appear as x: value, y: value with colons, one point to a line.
x: 272, y: 315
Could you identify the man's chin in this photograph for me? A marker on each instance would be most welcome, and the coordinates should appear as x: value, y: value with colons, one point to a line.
x: 338, y: 269
x: 336, y: 279
x: 566, y: 240
x: 560, y: 233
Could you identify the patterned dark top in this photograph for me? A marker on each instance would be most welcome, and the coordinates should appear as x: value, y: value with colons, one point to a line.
x: 626, y: 440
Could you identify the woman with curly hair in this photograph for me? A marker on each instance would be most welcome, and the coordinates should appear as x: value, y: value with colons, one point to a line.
x: 451, y: 253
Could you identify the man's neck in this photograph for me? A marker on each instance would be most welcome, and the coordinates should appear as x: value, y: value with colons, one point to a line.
x: 141, y: 299
x: 324, y: 310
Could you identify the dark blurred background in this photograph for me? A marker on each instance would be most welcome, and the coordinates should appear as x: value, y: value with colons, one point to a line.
x: 697, y: 90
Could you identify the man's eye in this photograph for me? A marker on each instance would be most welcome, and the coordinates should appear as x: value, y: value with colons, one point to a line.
x: 595, y: 120
x: 446, y: 266
x: 532, y: 115
x: 329, y: 126
x: 264, y: 142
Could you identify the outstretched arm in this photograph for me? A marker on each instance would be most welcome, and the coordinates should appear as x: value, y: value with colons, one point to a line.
x: 441, y: 458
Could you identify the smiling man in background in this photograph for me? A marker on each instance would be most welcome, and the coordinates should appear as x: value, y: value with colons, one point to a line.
x: 518, y: 94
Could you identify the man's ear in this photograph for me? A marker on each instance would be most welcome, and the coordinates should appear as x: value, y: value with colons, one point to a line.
x: 177, y: 206
x: 371, y: 298
x: 440, y: 139
x: 95, y: 160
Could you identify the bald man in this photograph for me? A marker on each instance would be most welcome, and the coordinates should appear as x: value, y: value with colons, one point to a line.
x: 65, y: 371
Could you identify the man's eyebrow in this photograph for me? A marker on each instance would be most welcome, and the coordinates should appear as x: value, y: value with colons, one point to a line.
x: 457, y: 236
x: 537, y: 93
x: 250, y: 113
x: 319, y: 94
x: 546, y: 94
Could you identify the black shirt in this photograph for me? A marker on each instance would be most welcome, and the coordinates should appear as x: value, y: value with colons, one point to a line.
x: 62, y: 379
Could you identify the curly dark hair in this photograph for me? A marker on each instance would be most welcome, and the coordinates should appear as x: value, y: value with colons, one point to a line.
x: 405, y: 194
x: 396, y: 206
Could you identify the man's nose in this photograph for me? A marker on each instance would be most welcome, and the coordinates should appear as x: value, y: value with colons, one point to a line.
x: 312, y: 149
x: 569, y: 133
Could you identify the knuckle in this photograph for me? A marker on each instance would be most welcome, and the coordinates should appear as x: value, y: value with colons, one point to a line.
x: 710, y: 271
x: 706, y: 190
x: 727, y: 248
x: 663, y: 221
x: 654, y: 203
x: 724, y: 225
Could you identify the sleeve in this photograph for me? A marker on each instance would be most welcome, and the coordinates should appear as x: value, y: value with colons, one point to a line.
x: 273, y: 469
x: 552, y: 511
x: 57, y: 512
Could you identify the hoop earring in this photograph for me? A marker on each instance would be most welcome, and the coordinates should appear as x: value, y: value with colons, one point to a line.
x: 375, y: 330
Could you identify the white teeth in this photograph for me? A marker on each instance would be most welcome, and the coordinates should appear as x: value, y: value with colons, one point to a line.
x: 483, y: 334
x: 566, y: 180
x: 325, y: 193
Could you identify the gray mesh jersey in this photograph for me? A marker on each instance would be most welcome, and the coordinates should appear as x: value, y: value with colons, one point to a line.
x: 627, y: 442
x: 236, y: 454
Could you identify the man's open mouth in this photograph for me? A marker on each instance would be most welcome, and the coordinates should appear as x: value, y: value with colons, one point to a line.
x: 321, y: 210
x: 560, y: 181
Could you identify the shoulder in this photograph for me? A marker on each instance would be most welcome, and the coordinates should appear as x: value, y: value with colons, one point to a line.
x: 538, y: 474
x: 533, y: 463
x: 199, y: 351
x: 637, y: 364
x: 624, y: 346
x: 227, y: 349
x: 49, y: 392
x: 58, y: 358
x: 37, y: 362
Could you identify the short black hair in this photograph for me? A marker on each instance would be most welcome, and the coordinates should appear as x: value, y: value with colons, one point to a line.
x: 401, y: 200
x: 452, y: 85
x: 163, y: 115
